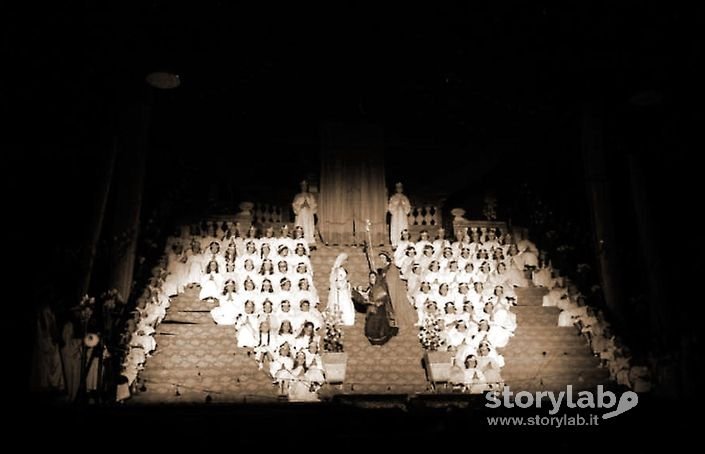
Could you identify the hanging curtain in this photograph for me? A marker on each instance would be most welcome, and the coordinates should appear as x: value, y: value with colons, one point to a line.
x: 335, y: 214
x: 372, y: 198
x: 352, y: 188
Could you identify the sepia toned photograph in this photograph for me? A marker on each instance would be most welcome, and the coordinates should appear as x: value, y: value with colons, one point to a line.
x: 275, y: 225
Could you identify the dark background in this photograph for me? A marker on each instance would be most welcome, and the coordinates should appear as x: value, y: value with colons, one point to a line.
x: 473, y: 97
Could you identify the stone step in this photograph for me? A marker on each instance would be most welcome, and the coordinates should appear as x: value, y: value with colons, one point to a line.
x: 198, y: 317
x: 535, y: 350
x: 215, y: 390
x: 530, y: 291
x: 165, y: 341
x: 558, y: 362
x: 519, y: 310
x: 546, y: 320
x: 198, y: 397
x: 195, y: 329
x: 530, y: 296
x: 386, y: 379
x: 548, y: 340
x: 409, y: 342
x: 546, y: 343
x: 223, y: 373
x: 539, y: 346
x: 166, y: 348
x: 373, y: 388
x: 198, y: 358
x: 548, y: 329
x: 567, y: 376
x: 555, y: 386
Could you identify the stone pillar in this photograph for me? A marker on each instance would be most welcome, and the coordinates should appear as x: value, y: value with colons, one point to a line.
x: 460, y: 224
x: 245, y: 217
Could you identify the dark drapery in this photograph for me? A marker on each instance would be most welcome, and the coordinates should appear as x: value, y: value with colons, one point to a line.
x: 352, y: 188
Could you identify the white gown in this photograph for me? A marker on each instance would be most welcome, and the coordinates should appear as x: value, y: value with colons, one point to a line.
x: 305, y: 207
x: 228, y: 310
x: 340, y: 297
x: 211, y: 286
x: 247, y: 331
x: 399, y: 208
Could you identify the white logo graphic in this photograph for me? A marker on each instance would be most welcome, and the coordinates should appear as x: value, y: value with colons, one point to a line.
x: 585, y: 399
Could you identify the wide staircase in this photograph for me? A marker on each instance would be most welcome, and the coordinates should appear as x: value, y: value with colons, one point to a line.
x: 394, y: 368
x: 197, y: 361
x: 543, y: 356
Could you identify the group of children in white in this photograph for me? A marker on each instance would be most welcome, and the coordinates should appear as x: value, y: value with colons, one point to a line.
x: 463, y: 293
x: 263, y: 285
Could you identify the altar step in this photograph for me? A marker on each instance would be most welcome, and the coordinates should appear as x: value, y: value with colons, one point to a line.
x: 541, y: 356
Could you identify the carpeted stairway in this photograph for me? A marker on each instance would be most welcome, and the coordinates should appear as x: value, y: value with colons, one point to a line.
x: 392, y: 368
x: 197, y: 361
x: 542, y: 355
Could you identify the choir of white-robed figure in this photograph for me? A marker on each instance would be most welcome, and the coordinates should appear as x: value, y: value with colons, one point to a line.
x: 340, y: 296
x: 399, y: 208
x: 305, y: 207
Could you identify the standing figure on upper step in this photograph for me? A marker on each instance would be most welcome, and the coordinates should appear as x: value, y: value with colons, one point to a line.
x: 340, y: 297
x: 399, y: 208
x: 305, y: 208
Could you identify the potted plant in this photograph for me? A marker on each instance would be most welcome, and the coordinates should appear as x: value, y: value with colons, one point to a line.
x: 333, y: 357
x: 438, y: 361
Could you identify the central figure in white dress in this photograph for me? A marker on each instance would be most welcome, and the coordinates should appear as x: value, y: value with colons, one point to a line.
x: 340, y: 296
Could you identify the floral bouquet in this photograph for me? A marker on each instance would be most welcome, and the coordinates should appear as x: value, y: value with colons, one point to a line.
x: 333, y: 338
x: 85, y: 308
x: 112, y: 299
x: 430, y: 333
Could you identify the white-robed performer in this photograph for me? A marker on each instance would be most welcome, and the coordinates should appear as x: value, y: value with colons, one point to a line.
x: 467, y: 373
x: 399, y: 207
x: 247, y: 327
x: 490, y: 363
x: 281, y: 366
x: 340, y: 296
x: 211, y: 282
x: 305, y: 207
x: 230, y: 305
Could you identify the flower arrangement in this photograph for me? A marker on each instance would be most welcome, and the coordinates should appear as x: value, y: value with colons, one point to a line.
x: 430, y: 333
x: 112, y: 299
x: 85, y: 308
x: 333, y: 337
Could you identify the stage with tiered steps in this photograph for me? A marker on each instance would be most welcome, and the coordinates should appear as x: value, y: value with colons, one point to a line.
x: 197, y: 361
